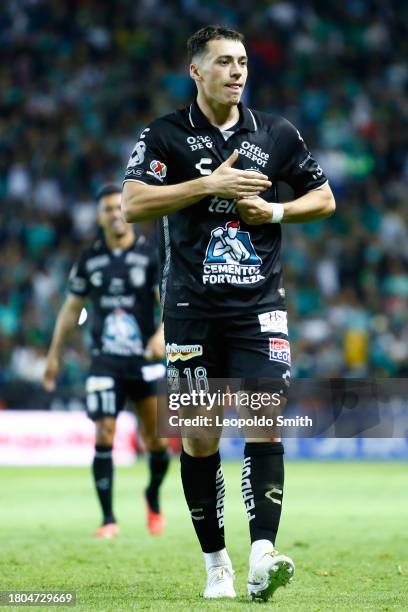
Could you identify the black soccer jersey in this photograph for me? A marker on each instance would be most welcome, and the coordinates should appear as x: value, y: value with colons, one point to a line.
x: 121, y: 285
x: 216, y: 264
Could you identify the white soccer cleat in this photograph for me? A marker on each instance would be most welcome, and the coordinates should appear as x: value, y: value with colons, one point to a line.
x: 268, y: 573
x: 220, y: 582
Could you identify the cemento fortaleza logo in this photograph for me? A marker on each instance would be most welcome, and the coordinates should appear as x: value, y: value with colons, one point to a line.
x: 230, y: 257
x: 174, y: 352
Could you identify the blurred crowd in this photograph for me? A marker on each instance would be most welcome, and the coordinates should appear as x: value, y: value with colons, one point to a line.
x: 79, y: 79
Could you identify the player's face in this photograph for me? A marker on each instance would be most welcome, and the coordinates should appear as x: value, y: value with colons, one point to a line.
x: 221, y: 73
x: 110, y: 216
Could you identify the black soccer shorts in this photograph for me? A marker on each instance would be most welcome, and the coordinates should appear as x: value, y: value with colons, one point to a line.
x: 107, y: 394
x: 253, y: 348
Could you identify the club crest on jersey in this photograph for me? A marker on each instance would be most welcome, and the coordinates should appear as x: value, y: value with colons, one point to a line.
x: 230, y: 257
x: 174, y: 351
x: 121, y: 334
x: 158, y: 170
x: 279, y: 350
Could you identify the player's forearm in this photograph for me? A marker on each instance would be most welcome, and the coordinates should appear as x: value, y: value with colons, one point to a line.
x: 66, y: 323
x: 152, y: 202
x: 312, y: 206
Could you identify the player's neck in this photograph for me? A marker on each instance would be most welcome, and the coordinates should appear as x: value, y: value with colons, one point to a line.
x: 120, y: 242
x: 219, y: 115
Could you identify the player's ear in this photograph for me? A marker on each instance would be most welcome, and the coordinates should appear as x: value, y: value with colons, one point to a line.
x: 98, y: 213
x: 195, y: 72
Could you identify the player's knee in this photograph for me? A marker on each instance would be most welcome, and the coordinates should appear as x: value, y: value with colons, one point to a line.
x: 155, y: 444
x: 105, y: 432
x: 197, y: 447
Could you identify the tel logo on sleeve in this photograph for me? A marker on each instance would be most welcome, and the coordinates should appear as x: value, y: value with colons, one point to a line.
x: 279, y: 350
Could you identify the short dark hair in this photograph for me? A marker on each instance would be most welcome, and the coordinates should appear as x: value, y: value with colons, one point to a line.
x: 106, y: 190
x: 198, y: 41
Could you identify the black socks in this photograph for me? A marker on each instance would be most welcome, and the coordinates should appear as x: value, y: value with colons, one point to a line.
x: 158, y: 465
x: 262, y: 488
x: 204, y: 490
x: 102, y: 469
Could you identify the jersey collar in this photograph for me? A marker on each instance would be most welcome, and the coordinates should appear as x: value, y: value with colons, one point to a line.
x: 197, y: 118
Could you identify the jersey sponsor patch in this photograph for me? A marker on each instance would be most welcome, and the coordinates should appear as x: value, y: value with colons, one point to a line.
x: 158, y: 170
x: 153, y: 371
x: 254, y: 153
x: 279, y: 350
x: 99, y: 383
x: 100, y: 261
x: 199, y: 142
x: 275, y: 321
x: 174, y: 352
x: 231, y: 257
x: 137, y: 276
x: 223, y: 206
x: 173, y: 379
x: 117, y: 301
x: 121, y: 334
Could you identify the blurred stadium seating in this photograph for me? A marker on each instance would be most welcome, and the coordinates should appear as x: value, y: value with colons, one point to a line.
x: 77, y: 82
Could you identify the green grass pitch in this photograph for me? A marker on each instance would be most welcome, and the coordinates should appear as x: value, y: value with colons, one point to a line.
x: 344, y: 524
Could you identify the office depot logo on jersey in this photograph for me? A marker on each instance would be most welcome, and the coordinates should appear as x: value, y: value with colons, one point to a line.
x: 199, y: 142
x: 174, y: 352
x: 254, y: 153
x: 230, y: 257
x: 158, y: 170
x: 279, y: 350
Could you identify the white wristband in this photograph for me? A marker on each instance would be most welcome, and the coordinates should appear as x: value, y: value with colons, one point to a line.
x: 277, y: 212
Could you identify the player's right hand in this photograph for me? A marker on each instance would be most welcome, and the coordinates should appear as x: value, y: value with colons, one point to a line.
x: 51, y: 372
x: 230, y: 182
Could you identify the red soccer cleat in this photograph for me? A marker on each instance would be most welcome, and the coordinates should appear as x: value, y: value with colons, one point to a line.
x: 155, y: 521
x: 108, y: 531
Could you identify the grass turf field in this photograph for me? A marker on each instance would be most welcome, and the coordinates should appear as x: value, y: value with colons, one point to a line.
x: 344, y: 524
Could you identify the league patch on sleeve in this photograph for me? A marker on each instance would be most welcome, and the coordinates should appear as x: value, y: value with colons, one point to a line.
x: 279, y: 350
x: 77, y: 284
x: 158, y: 170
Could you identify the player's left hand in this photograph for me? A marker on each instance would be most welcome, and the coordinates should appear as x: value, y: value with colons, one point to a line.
x: 254, y: 210
x: 155, y: 348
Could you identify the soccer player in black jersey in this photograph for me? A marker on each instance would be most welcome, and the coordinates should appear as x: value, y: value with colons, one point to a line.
x: 210, y: 171
x: 118, y: 276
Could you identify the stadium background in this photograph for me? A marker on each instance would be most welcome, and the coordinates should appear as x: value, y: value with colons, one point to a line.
x: 78, y: 80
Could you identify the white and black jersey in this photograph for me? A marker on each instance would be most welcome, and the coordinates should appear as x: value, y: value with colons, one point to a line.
x: 216, y: 264
x: 121, y: 286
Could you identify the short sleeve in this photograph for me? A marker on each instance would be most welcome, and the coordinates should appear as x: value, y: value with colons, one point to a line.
x: 147, y: 162
x: 299, y: 168
x: 78, y: 282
